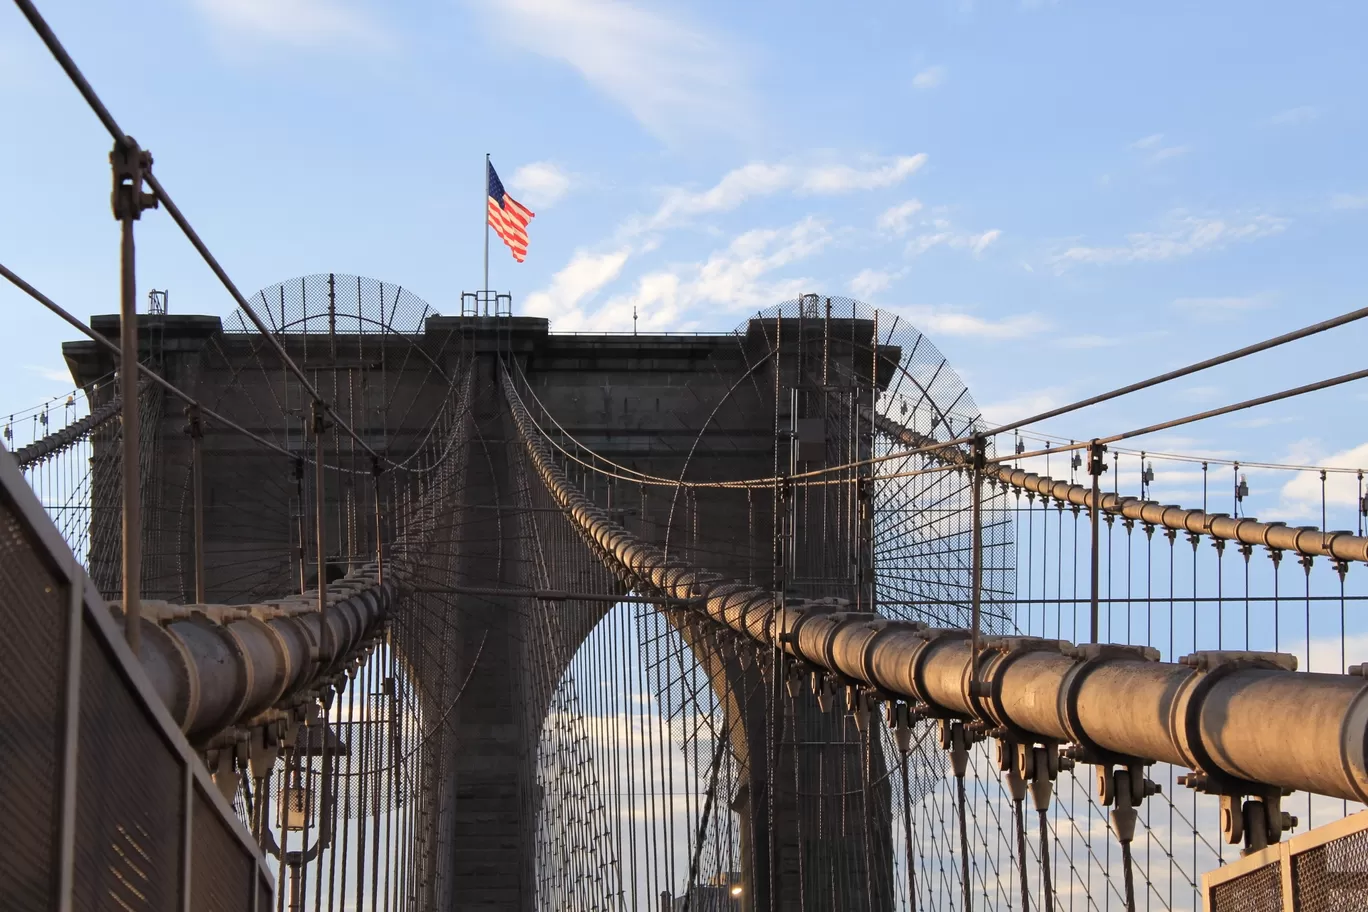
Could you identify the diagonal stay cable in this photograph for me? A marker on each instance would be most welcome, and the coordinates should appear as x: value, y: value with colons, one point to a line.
x: 92, y: 99
x: 143, y: 368
x: 1193, y: 368
x: 1201, y: 416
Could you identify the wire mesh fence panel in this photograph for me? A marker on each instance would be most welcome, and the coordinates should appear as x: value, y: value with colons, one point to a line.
x: 1257, y: 891
x: 120, y: 821
x: 129, y: 840
x: 222, y: 879
x: 33, y: 609
x: 1332, y: 877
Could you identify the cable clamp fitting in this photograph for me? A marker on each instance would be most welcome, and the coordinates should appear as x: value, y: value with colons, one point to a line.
x: 130, y: 164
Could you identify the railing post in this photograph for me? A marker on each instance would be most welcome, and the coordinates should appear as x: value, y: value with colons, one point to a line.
x: 376, y: 469
x: 976, y: 500
x: 195, y: 428
x: 1097, y: 464
x: 187, y: 833
x: 320, y: 427
x: 71, y: 713
x: 128, y: 200
x: 299, y: 497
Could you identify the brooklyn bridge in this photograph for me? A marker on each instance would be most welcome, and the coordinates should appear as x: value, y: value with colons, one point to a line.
x: 353, y: 600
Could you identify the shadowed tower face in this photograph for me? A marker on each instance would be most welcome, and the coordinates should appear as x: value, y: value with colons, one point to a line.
x: 790, y: 393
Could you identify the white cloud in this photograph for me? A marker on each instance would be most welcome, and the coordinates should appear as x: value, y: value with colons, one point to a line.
x: 1294, y: 116
x: 53, y: 374
x: 582, y: 277
x: 1263, y: 422
x: 871, y: 281
x: 540, y: 184
x: 307, y: 23
x: 1185, y: 236
x: 1213, y: 310
x: 1023, y: 405
x: 1154, y: 149
x: 676, y: 79
x: 830, y: 179
x: 941, y: 233
x: 896, y: 219
x: 929, y: 78
x: 979, y: 242
x: 1301, y: 496
x: 737, y: 277
x: 765, y: 179
x: 1349, y: 201
x: 938, y: 321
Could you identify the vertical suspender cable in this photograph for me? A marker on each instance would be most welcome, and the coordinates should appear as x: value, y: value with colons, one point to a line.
x: 195, y: 428
x: 1047, y: 887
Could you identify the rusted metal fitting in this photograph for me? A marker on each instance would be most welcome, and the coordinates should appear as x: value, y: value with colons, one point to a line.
x: 130, y: 164
x: 319, y: 413
x: 194, y: 421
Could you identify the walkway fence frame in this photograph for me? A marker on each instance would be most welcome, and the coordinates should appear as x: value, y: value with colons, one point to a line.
x: 103, y: 802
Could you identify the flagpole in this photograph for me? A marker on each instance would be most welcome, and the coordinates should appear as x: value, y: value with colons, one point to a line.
x: 486, y: 223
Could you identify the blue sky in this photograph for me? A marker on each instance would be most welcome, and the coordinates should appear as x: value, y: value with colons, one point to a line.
x: 1064, y: 196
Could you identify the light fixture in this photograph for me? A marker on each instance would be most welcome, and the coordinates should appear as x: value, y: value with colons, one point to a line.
x: 736, y: 890
x: 1242, y: 489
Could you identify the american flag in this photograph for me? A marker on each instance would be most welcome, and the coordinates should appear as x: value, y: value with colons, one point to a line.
x: 508, y: 217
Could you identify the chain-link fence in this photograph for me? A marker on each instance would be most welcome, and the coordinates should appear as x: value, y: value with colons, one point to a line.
x: 1325, y: 870
x: 103, y: 802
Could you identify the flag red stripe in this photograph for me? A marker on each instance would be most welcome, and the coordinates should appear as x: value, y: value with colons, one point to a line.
x: 509, y: 222
x: 502, y: 225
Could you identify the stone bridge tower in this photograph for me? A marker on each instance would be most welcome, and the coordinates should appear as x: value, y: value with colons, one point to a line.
x: 779, y: 396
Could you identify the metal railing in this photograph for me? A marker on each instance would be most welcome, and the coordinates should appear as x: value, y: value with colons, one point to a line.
x: 103, y: 801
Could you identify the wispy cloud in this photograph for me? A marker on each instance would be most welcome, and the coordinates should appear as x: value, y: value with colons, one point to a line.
x: 1301, y: 496
x: 540, y: 184
x: 1349, y: 201
x: 302, y: 23
x: 1292, y: 117
x: 897, y: 219
x: 53, y: 374
x: 943, y: 321
x: 1155, y: 150
x: 1184, y: 235
x: 1022, y: 405
x: 1215, y: 310
x: 576, y: 284
x: 674, y: 77
x: 759, y: 179
x: 870, y: 282
x: 1263, y: 422
x: 930, y: 77
x: 940, y: 233
x: 740, y: 276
